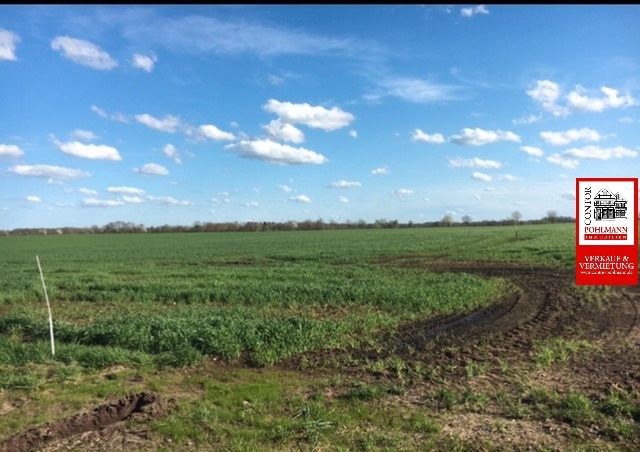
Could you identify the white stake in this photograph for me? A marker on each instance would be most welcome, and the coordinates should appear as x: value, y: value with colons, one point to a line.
x: 53, y: 344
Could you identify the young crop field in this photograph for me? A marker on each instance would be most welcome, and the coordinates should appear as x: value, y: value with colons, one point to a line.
x: 461, y: 337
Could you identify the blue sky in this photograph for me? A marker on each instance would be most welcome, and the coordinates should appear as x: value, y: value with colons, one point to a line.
x: 171, y: 114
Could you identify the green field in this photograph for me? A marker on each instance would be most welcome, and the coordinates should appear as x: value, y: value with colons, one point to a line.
x: 212, y: 318
x: 174, y: 298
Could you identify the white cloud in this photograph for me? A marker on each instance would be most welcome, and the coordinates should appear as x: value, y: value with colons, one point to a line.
x: 301, y: 199
x: 285, y: 188
x: 272, y: 152
x: 10, y: 150
x: 382, y: 171
x: 353, y: 133
x: 168, y: 123
x: 168, y: 200
x: 419, y: 135
x: 250, y: 204
x: 525, y: 120
x: 8, y: 43
x: 119, y: 117
x: 481, y: 176
x: 211, y: 132
x: 415, y: 90
x: 33, y: 199
x: 571, y: 135
x: 345, y: 184
x: 48, y: 171
x: 152, y: 169
x: 472, y: 11
x: 490, y: 189
x: 481, y: 137
x: 132, y: 199
x: 579, y: 100
x: 401, y: 192
x: 276, y: 80
x: 598, y: 153
x: 144, y: 62
x: 284, y: 132
x: 532, y: 150
x: 313, y: 116
x: 508, y: 177
x: 126, y: 190
x: 478, y: 197
x: 170, y: 151
x: 343, y: 199
x: 87, y: 191
x: 626, y: 120
x: 83, y: 52
x: 557, y: 159
x: 474, y: 162
x: 570, y: 195
x: 84, y: 135
x: 547, y: 93
x: 88, y: 151
x: 93, y: 202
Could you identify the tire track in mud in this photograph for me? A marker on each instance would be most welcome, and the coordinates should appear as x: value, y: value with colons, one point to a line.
x: 101, y: 416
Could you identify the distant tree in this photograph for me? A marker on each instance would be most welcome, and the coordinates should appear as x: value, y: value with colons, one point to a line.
x: 552, y: 216
x: 447, y: 220
x: 516, y: 216
x: 466, y: 219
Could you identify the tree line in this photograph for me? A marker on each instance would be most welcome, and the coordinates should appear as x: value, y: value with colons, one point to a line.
x: 306, y: 225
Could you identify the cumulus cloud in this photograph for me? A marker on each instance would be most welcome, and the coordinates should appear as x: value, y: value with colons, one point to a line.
x: 343, y: 199
x: 168, y: 123
x: 10, y: 150
x: 474, y: 162
x: 83, y: 52
x: 353, y: 133
x: 8, y: 42
x: 33, y: 199
x: 547, y: 94
x: 87, y: 150
x: 599, y: 153
x: 419, y: 135
x: 579, y: 100
x: 564, y: 162
x: 211, y: 132
x: 532, y: 150
x: 301, y: 199
x: 132, y: 199
x: 277, y: 153
x: 48, y: 171
x: 87, y: 191
x: 481, y: 137
x: 152, y: 169
x: 314, y: 116
x: 345, y: 184
x: 285, y: 188
x: 84, y: 135
x: 94, y: 202
x: 481, y: 176
x: 569, y: 136
x: 168, y: 201
x: 126, y: 190
x: 526, y: 120
x: 473, y: 10
x: 118, y: 117
x: 170, y: 151
x: 508, y: 177
x: 250, y: 204
x: 626, y: 120
x: 401, y: 192
x: 284, y: 132
x: 144, y: 62
x: 382, y: 171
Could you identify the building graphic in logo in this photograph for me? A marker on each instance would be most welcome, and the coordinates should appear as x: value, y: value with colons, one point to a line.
x: 608, y: 206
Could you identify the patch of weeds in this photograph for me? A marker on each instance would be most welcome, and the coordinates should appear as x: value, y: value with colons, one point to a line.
x: 311, y: 419
x: 560, y: 350
x: 421, y: 423
x: 445, y: 399
x: 474, y: 401
x: 24, y: 380
x: 475, y: 369
x: 575, y: 408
